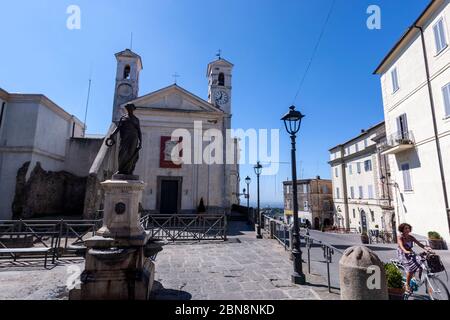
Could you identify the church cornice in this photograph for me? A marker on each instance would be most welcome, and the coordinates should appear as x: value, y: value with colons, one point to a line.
x: 208, y: 107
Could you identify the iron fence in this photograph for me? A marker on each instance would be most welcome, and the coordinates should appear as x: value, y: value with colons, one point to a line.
x: 282, y: 232
x: 185, y: 227
x: 397, y: 139
x: 70, y: 234
x: 328, y: 253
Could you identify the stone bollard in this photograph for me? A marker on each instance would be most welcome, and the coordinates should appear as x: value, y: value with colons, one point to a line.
x: 362, y: 275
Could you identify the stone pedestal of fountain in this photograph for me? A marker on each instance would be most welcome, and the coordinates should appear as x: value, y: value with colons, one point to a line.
x: 118, y: 264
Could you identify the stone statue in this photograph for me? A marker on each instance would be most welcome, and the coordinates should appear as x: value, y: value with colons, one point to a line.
x: 130, y: 141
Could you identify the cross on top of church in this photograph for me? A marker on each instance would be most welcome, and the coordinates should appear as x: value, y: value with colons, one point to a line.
x: 175, y: 76
x: 219, y: 54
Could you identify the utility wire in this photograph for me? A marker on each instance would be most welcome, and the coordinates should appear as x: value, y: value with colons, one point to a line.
x: 316, y: 47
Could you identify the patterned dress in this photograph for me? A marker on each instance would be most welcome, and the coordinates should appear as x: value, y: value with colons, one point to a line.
x: 410, y: 261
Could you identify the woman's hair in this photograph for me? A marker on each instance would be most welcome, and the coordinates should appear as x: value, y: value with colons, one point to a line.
x: 402, y: 227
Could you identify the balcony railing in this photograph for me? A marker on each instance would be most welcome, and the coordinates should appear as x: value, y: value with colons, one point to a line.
x: 397, y: 142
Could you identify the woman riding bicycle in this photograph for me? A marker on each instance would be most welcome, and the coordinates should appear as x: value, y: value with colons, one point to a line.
x: 411, y: 262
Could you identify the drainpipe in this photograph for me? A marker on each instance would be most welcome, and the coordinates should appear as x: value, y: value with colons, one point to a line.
x: 345, y: 194
x: 433, y: 113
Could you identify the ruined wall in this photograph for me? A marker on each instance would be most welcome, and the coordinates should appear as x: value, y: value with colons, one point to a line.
x: 48, y: 193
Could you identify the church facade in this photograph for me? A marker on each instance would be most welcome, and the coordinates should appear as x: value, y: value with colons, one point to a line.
x: 178, y: 129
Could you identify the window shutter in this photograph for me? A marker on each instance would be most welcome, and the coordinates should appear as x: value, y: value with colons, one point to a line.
x: 446, y: 93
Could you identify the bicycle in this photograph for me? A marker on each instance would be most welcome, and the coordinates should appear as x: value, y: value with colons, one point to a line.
x: 434, y: 286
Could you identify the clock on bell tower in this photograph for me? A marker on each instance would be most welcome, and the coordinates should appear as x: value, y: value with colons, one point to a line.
x: 219, y: 84
x: 129, y: 65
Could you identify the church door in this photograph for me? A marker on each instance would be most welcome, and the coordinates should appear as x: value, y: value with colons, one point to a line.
x: 169, y: 197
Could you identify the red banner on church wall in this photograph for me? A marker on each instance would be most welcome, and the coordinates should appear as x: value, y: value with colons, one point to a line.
x: 166, y: 147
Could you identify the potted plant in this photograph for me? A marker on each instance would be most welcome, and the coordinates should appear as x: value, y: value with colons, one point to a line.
x: 364, y: 238
x: 435, y: 240
x: 201, y: 207
x: 394, y: 279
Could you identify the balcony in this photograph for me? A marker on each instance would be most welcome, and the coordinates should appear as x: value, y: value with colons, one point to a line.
x: 397, y: 142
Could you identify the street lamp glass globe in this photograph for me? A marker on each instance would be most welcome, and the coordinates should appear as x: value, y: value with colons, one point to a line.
x: 292, y: 120
x: 248, y: 180
x: 258, y: 168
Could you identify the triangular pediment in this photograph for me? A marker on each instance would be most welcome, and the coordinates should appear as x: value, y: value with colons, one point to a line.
x: 174, y: 98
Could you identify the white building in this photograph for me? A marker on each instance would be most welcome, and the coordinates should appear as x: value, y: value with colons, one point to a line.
x: 415, y: 81
x: 360, y: 175
x: 32, y: 129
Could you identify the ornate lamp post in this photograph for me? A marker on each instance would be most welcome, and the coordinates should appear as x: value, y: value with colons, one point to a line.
x: 247, y: 181
x: 258, y: 170
x: 292, y: 121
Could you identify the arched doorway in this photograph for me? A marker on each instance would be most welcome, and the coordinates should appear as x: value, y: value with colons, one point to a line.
x: 327, y: 223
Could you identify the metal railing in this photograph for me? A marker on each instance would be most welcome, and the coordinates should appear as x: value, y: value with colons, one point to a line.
x: 381, y: 236
x: 397, y: 139
x: 281, y: 232
x: 70, y: 233
x: 185, y: 227
x: 328, y: 253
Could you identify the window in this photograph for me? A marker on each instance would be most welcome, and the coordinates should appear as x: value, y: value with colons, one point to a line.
x: 305, y: 205
x: 336, y: 172
x: 352, y: 193
x: 370, y: 191
x: 126, y: 72
x: 402, y: 126
x: 338, y: 194
x: 358, y: 167
x: 361, y: 192
x: 326, y: 205
x: 446, y: 93
x: 439, y: 36
x: 350, y: 169
x: 407, y: 186
x: 356, y: 147
x: 305, y: 188
x: 372, y: 215
x: 366, y: 143
x: 324, y: 189
x: 368, y: 165
x: 288, y: 189
x: 354, y: 214
x: 394, y: 76
x: 221, y: 79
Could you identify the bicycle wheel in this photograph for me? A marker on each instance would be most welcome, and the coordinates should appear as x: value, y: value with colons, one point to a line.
x: 436, y: 289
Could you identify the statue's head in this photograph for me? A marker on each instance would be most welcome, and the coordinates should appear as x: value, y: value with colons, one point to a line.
x: 130, y: 107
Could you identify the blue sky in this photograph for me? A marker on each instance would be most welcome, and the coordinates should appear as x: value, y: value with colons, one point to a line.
x: 270, y: 43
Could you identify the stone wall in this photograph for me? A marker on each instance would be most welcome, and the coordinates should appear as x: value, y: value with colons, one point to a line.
x: 47, y: 193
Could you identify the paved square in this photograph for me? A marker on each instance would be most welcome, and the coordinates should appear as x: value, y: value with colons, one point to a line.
x: 239, y: 269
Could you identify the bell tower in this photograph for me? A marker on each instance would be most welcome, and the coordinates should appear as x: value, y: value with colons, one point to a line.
x: 129, y: 65
x: 219, y: 84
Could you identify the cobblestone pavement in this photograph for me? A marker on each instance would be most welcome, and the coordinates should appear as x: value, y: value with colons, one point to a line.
x: 29, y: 280
x: 239, y: 269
